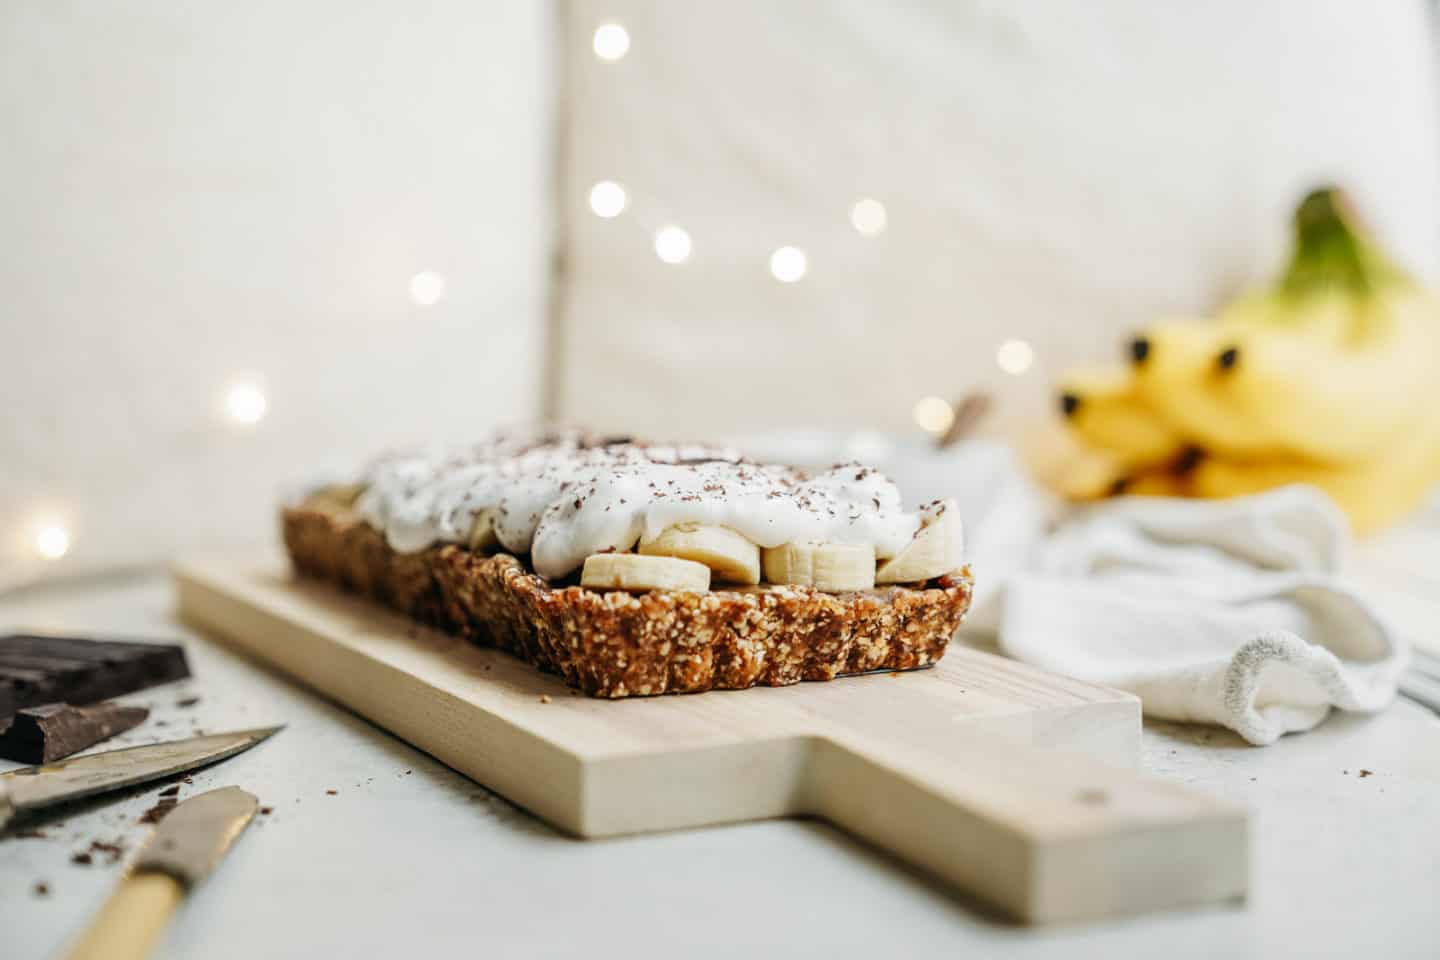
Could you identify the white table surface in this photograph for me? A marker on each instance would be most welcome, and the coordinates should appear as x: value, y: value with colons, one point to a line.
x: 412, y: 859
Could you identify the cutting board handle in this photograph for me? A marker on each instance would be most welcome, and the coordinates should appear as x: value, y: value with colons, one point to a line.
x: 1047, y: 836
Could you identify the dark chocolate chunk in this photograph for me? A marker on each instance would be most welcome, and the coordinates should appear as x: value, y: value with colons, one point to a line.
x: 37, y: 669
x: 54, y: 731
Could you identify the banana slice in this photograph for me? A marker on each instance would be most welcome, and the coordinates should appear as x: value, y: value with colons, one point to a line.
x: 938, y: 548
x: 729, y: 556
x: 339, y: 494
x: 629, y: 571
x: 483, y: 538
x: 831, y: 567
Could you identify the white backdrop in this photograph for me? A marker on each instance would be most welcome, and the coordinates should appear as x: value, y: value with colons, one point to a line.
x: 1054, y: 172
x: 195, y: 192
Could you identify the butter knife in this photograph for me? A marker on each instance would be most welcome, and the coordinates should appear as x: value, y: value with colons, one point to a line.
x: 187, y: 845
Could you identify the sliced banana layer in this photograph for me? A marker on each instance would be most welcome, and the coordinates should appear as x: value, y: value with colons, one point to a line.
x: 730, y: 557
x: 339, y: 494
x: 483, y: 538
x: 630, y: 571
x: 938, y: 548
x: 831, y: 567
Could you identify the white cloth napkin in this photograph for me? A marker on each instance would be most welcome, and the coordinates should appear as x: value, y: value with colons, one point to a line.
x: 1223, y: 611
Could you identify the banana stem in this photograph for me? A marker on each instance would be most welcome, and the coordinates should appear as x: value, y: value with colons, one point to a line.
x: 1330, y: 252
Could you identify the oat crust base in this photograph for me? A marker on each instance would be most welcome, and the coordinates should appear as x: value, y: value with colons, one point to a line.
x: 616, y: 644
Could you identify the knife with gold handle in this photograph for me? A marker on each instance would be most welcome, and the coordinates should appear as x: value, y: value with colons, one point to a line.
x: 183, y: 850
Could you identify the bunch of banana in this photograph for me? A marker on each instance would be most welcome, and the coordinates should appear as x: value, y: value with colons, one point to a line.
x: 687, y: 555
x: 1324, y: 377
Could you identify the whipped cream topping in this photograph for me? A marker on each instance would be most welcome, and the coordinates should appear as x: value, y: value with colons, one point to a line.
x: 561, y: 497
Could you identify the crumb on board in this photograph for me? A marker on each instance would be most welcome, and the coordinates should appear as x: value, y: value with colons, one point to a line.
x: 266, y: 811
x: 187, y: 701
x: 332, y: 793
x: 41, y: 888
x: 544, y: 698
x: 1366, y: 773
x: 170, y: 791
x: 83, y: 858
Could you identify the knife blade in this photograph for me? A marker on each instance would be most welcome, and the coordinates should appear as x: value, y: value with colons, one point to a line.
x: 193, y: 838
x: 33, y: 788
x: 186, y: 846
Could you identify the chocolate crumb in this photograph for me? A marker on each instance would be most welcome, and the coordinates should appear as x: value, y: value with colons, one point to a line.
x: 332, y: 793
x: 42, y: 889
x: 158, y: 812
x: 187, y: 701
x: 1365, y: 773
x: 113, y: 851
x: 82, y: 859
x: 266, y: 811
x: 408, y: 772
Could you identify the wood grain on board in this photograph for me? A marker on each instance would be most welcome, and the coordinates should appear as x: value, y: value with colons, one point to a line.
x: 1013, y: 784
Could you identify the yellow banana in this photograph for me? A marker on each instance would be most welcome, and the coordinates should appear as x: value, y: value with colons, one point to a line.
x: 1105, y: 410
x: 1325, y: 377
x: 1373, y: 493
x: 1248, y: 391
x: 1325, y: 365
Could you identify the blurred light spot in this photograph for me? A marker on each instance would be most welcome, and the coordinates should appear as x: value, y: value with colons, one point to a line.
x: 868, y: 447
x: 672, y: 244
x: 245, y: 403
x: 52, y: 541
x: 427, y: 287
x: 612, y: 41
x: 788, y: 264
x: 934, y: 414
x: 1014, y: 357
x: 868, y: 216
x: 607, y: 199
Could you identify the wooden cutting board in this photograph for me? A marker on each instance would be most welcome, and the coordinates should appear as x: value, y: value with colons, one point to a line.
x: 1013, y: 784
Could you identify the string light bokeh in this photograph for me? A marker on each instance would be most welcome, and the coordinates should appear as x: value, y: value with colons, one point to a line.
x: 607, y: 199
x: 787, y: 264
x: 1014, y: 357
x: 672, y: 244
x: 245, y: 402
x: 52, y: 540
x: 426, y: 288
x: 868, y: 216
x: 611, y: 42
x: 933, y: 414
